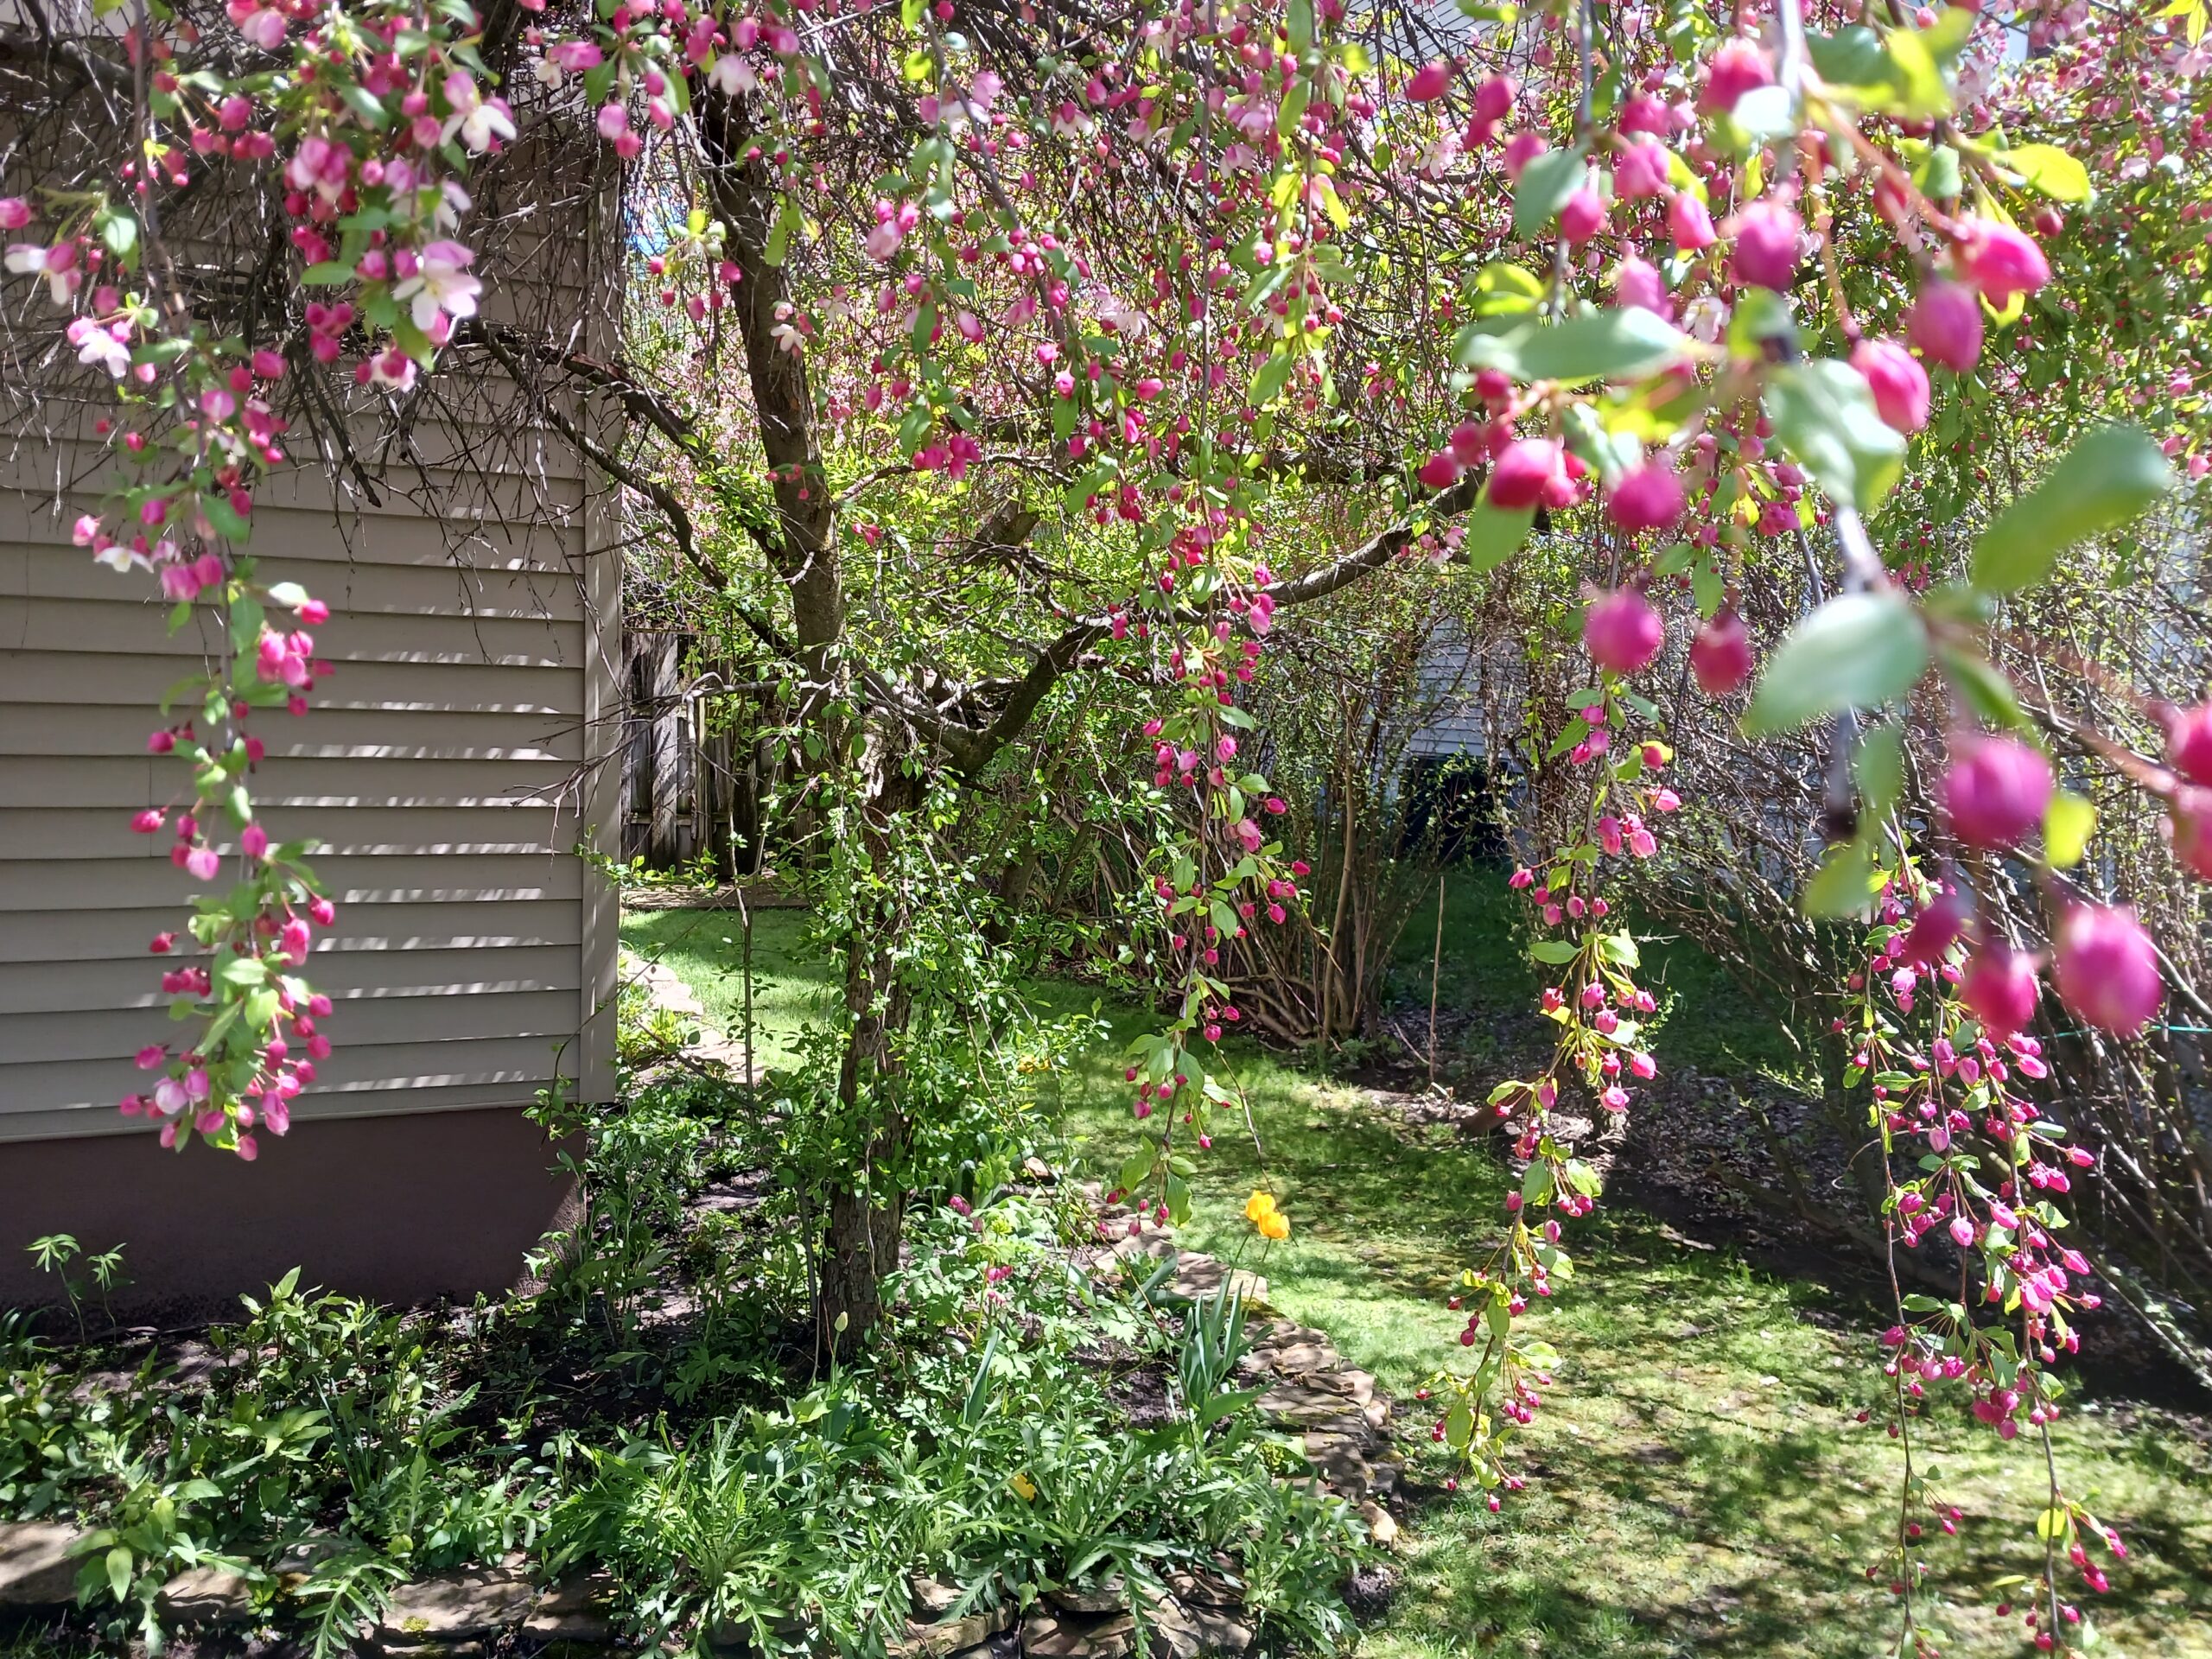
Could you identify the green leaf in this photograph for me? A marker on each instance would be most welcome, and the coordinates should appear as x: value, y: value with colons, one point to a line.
x: 1938, y: 175
x: 244, y: 972
x: 1546, y: 183
x: 1623, y: 344
x: 1844, y: 884
x: 2107, y: 478
x: 1824, y: 415
x: 119, y: 1564
x: 327, y: 274
x: 2050, y: 169
x: 1502, y: 289
x: 1495, y: 535
x: 364, y: 102
x: 1851, y: 57
x: 223, y: 518
x: 2068, y: 822
x: 1856, y: 651
x: 119, y: 233
x: 1554, y: 951
x: 1267, y: 383
x: 1878, y: 763
x: 1987, y: 692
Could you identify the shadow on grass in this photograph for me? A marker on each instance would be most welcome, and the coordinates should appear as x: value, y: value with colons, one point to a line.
x: 1698, y: 1481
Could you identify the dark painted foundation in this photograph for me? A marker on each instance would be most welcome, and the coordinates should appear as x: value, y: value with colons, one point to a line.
x: 396, y: 1210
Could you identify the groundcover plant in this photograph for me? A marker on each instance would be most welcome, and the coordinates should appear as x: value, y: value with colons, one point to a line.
x: 1263, y: 301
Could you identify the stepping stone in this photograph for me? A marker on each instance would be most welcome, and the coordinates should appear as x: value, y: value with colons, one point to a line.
x: 1198, y: 1277
x: 1307, y: 1407
x: 1072, y: 1636
x: 472, y: 1601
x: 1110, y: 1596
x: 577, y: 1610
x: 206, y: 1595
x: 1198, y: 1588
x: 1299, y: 1358
x: 932, y: 1636
x: 36, y: 1569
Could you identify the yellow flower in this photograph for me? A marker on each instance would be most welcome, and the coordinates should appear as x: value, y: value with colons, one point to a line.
x: 1259, y: 1207
x: 1275, y: 1225
x: 1025, y: 1488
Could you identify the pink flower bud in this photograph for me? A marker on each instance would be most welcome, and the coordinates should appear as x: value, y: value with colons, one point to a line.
x: 1934, y: 932
x: 1765, y: 255
x: 1581, y: 217
x: 1519, y: 479
x: 1430, y: 82
x: 1999, y: 988
x: 1651, y: 498
x: 1946, y: 325
x: 1738, y: 66
x: 2107, y: 968
x: 1440, y: 471
x: 1494, y: 98
x: 2001, y: 262
x: 1636, y: 283
x: 1522, y: 149
x: 2189, y: 743
x: 1720, y: 653
x: 1688, y: 223
x: 1621, y: 631
x: 1996, y: 790
x: 2189, y: 827
x: 1899, y: 383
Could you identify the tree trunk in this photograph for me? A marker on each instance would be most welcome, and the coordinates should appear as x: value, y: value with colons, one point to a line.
x: 861, y: 1236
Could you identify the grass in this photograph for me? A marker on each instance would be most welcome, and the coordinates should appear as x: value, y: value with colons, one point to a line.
x: 704, y: 948
x: 1698, y: 1483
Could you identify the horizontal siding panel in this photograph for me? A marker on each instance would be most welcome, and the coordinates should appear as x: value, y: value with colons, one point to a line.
x: 350, y: 979
x: 140, y: 682
x: 92, y: 832
x: 509, y: 1070
x: 347, y: 735
x: 135, y: 628
x: 124, y: 884
x: 30, y: 572
x: 64, y: 781
x: 104, y: 1033
x: 327, y: 537
x: 366, y: 927
x: 99, y: 1118
x: 493, y: 490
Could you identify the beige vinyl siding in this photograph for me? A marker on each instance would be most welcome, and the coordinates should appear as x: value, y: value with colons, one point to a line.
x: 445, y: 767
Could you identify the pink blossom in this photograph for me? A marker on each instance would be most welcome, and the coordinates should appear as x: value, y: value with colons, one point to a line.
x: 1738, y: 67
x: 1946, y: 325
x: 2188, y: 742
x: 1996, y: 790
x: 1999, y: 988
x: 2001, y: 262
x: 1898, y: 383
x: 1688, y: 223
x: 1523, y: 472
x: 1649, y: 498
x: 1765, y: 254
x: 1430, y: 82
x: 1621, y: 631
x: 2107, y: 968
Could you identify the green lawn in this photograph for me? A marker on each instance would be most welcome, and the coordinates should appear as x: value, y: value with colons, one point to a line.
x: 1697, y: 1484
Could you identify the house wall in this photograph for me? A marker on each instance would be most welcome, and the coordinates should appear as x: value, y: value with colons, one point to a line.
x: 446, y: 767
